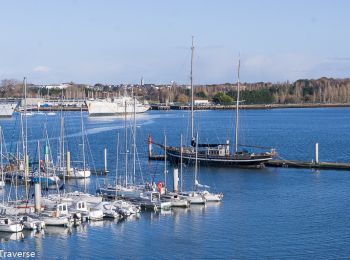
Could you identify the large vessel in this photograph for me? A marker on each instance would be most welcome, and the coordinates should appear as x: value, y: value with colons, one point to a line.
x: 7, y: 109
x: 115, y: 106
x: 217, y: 154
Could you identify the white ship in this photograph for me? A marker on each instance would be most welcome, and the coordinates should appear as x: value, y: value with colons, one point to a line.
x: 116, y: 106
x: 7, y: 109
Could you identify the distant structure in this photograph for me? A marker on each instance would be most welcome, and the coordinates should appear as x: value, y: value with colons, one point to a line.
x: 201, y: 102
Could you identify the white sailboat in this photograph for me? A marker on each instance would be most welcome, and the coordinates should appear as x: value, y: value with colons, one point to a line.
x: 208, y: 196
x: 193, y: 196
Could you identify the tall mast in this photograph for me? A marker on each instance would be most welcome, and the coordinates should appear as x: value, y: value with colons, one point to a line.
x: 192, y: 101
x: 165, y: 170
x: 196, y: 165
x: 39, y: 165
x: 126, y: 147
x: 62, y: 154
x: 26, y: 173
x: 181, y: 181
x: 134, y: 142
x: 116, y: 167
x: 83, y: 146
x: 237, y: 108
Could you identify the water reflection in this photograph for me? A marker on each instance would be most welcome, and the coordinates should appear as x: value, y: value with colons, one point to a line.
x: 5, y: 237
x: 78, y: 183
x: 63, y: 232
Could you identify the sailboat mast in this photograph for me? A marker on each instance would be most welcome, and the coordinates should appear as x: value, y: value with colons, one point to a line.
x: 237, y: 108
x: 39, y: 165
x: 116, y: 167
x: 192, y: 101
x: 26, y: 173
x: 181, y: 162
x: 134, y: 141
x: 126, y: 147
x: 83, y: 146
x: 165, y: 169
x: 62, y: 154
x: 196, y: 164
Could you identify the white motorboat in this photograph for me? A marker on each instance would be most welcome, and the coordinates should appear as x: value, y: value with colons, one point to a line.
x: 212, y: 197
x: 193, y: 197
x: 9, y: 225
x: 126, y: 208
x: 58, y: 217
x: 52, y: 220
x: 89, y: 213
x: 176, y: 200
x: 108, y: 209
x: 32, y: 223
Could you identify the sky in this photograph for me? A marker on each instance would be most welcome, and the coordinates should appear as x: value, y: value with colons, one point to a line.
x: 119, y: 42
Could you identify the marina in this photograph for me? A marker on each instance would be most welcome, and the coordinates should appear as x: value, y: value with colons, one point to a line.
x: 225, y: 180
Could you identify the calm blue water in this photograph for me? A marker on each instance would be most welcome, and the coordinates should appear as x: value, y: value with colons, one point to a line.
x: 270, y: 213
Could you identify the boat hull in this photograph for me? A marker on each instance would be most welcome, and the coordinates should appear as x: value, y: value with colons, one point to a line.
x: 115, y: 108
x: 7, y: 109
x: 57, y: 221
x: 12, y: 228
x: 218, y: 161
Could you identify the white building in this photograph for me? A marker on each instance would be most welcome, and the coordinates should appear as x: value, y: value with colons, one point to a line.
x: 201, y: 102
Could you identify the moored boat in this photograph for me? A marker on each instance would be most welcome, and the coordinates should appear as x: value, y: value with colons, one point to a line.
x: 9, y: 225
x: 115, y: 106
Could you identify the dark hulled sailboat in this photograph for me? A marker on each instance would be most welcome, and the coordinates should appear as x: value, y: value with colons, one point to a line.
x: 218, y: 154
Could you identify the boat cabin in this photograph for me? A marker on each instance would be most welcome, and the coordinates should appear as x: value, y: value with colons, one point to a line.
x: 5, y: 221
x: 81, y: 206
x: 62, y: 208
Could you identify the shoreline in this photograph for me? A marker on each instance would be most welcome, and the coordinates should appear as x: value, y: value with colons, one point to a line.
x: 261, y: 106
x: 204, y: 107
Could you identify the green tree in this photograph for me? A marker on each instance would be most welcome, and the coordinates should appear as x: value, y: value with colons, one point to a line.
x: 222, y: 99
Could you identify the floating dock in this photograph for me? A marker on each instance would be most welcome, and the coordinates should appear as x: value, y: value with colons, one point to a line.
x: 310, y: 165
x: 289, y: 164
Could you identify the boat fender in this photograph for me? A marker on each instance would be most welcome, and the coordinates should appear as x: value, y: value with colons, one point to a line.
x: 159, y: 186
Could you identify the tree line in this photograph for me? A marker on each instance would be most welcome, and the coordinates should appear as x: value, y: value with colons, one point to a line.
x: 323, y: 90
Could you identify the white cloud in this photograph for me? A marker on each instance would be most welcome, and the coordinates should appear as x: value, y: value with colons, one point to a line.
x: 41, y: 69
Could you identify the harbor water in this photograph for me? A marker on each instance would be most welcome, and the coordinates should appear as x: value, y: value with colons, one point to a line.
x: 272, y: 213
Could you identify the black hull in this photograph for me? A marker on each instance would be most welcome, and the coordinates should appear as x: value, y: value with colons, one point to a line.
x: 219, y: 161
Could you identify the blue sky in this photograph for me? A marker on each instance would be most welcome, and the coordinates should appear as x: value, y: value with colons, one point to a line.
x: 120, y: 41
